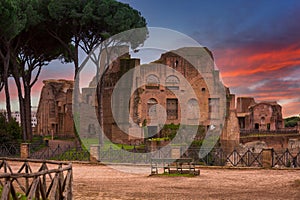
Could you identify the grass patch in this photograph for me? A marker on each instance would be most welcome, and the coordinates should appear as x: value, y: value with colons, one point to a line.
x: 73, y: 154
x: 87, y: 142
x: 19, y: 195
x: 174, y: 175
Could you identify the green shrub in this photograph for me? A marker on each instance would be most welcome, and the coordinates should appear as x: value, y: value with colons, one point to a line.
x: 9, y: 131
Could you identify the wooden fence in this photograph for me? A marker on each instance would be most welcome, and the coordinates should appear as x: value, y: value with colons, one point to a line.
x: 35, y: 179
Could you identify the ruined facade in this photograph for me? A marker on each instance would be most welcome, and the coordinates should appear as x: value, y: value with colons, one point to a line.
x: 54, y: 114
x: 159, y: 92
x: 262, y: 116
x: 170, y: 88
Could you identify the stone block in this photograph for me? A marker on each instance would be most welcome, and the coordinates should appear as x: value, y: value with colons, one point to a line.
x: 95, y: 153
x: 267, y: 158
x: 25, y: 153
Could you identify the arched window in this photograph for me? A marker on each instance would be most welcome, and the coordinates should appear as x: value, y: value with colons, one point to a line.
x: 152, y: 79
x: 172, y: 80
x: 152, y: 82
x: 262, y: 120
x: 151, y: 107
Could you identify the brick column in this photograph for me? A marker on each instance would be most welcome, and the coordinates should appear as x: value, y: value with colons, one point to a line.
x: 95, y: 153
x: 175, y: 152
x: 25, y: 153
x: 267, y: 158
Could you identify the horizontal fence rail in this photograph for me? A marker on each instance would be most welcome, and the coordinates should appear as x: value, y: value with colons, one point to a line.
x: 33, y: 179
x: 239, y: 157
x: 214, y: 157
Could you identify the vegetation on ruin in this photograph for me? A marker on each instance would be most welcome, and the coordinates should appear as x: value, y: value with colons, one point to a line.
x: 291, y: 121
x: 168, y: 133
x: 160, y: 139
x: 87, y: 142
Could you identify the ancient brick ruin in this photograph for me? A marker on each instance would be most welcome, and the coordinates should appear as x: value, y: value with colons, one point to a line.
x: 155, y: 85
x: 260, y: 116
x: 160, y: 86
x: 54, y: 114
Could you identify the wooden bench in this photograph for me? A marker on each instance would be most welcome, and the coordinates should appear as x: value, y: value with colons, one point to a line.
x: 171, y: 166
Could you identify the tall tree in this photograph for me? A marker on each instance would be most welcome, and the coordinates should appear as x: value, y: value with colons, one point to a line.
x: 34, y: 32
x: 33, y: 49
x: 91, y: 22
x: 12, y: 22
x: 105, y: 19
x: 38, y: 50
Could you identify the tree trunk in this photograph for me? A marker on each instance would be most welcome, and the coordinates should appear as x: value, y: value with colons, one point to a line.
x: 7, y: 98
x: 7, y: 95
x: 27, y: 109
x: 21, y: 105
x: 6, y: 60
x: 76, y: 81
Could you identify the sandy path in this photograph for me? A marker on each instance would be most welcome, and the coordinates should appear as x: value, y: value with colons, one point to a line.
x: 102, y: 182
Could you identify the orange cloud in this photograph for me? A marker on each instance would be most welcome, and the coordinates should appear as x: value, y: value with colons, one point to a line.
x: 267, y: 75
x: 243, y: 62
x: 291, y: 109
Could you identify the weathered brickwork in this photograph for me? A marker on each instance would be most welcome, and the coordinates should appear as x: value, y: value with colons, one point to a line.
x: 158, y: 93
x: 54, y: 114
x: 261, y: 116
x: 162, y: 86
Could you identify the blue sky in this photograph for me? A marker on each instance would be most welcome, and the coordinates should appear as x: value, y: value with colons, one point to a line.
x: 256, y: 44
x: 218, y: 23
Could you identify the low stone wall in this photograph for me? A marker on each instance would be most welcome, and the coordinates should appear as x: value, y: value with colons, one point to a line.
x: 276, y: 142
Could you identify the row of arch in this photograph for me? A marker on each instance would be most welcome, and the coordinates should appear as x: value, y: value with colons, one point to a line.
x: 193, y: 102
x: 153, y: 79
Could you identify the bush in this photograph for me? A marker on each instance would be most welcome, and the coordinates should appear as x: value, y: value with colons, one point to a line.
x: 9, y: 131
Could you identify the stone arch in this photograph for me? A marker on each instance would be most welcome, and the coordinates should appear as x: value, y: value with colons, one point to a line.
x: 152, y: 79
x: 262, y: 120
x: 172, y: 80
x: 152, y: 101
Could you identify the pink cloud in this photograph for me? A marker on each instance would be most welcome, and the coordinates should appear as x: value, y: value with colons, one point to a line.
x: 267, y: 75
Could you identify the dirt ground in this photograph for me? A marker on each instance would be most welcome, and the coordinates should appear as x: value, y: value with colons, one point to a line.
x: 103, y: 182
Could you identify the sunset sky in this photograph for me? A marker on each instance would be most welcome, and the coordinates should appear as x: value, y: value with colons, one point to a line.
x: 256, y: 44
